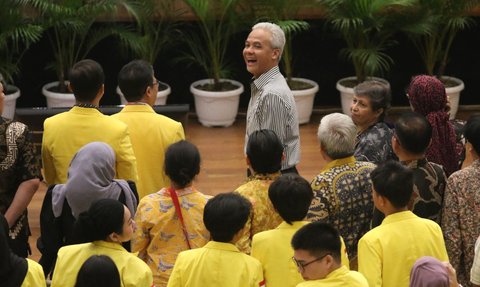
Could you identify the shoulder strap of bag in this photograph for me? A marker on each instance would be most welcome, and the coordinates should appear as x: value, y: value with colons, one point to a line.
x: 176, y: 203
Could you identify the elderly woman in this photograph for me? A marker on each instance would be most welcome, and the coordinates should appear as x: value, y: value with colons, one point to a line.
x: 427, y: 96
x: 369, y: 107
x: 19, y: 179
x: 90, y: 177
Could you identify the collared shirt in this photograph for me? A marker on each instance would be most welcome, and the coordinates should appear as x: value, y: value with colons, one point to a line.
x: 386, y: 254
x: 338, y: 278
x: 64, y: 134
x: 217, y: 264
x: 151, y: 134
x: 274, y: 250
x: 159, y: 238
x: 272, y: 107
x: 262, y: 216
x: 375, y: 144
x: 133, y: 271
x: 461, y: 218
x: 343, y: 198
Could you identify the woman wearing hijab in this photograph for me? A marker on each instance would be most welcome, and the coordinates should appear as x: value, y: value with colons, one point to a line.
x: 16, y: 271
x: 431, y: 272
x: 90, y: 177
x: 103, y: 228
x: 427, y: 96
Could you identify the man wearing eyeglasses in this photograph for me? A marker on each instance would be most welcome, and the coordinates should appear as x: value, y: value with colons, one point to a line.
x: 317, y: 254
x: 151, y: 134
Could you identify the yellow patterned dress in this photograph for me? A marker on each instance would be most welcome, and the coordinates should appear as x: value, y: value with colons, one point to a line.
x: 159, y: 237
x: 263, y: 216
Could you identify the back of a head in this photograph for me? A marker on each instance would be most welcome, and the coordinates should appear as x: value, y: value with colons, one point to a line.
x: 429, y: 272
x: 104, y: 217
x: 182, y: 163
x: 472, y: 132
x: 226, y: 214
x: 134, y: 78
x: 98, y: 271
x: 336, y: 134
x: 379, y: 94
x: 93, y: 162
x: 86, y: 78
x: 414, y: 132
x: 278, y: 35
x: 427, y: 94
x: 318, y: 239
x: 291, y: 196
x: 393, y: 181
x: 264, y: 151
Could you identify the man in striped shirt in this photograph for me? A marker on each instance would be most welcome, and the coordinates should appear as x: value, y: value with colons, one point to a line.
x: 271, y: 105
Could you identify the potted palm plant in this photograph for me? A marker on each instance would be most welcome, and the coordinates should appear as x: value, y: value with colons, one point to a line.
x: 217, y: 22
x: 367, y: 26
x: 446, y: 19
x: 283, y: 13
x: 156, y: 28
x: 17, y: 33
x: 72, y: 35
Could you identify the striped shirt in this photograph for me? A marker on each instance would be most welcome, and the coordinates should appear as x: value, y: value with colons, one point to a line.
x: 272, y: 107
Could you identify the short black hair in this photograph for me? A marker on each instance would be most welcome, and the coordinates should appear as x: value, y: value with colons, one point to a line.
x: 264, y: 151
x: 318, y: 239
x: 104, y: 217
x: 472, y: 132
x: 86, y: 78
x: 291, y: 196
x: 134, y: 78
x: 414, y: 132
x: 182, y: 162
x: 393, y: 181
x: 226, y: 214
x: 98, y: 270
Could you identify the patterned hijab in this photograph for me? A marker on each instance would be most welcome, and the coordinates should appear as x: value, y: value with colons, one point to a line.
x: 90, y: 177
x: 12, y: 267
x: 429, y: 272
x: 428, y: 97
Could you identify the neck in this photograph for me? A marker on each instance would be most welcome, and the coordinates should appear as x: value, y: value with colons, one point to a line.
x: 86, y: 104
x: 404, y: 156
x: 141, y: 102
x: 393, y: 210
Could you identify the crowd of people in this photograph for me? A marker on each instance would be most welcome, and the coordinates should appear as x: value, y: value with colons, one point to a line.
x: 393, y: 204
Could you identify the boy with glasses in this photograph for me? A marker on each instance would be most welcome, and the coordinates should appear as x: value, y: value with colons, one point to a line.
x: 317, y: 253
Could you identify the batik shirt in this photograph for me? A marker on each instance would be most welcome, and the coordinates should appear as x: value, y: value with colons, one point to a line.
x: 263, y: 216
x: 375, y: 144
x: 343, y: 198
x: 461, y: 219
x: 18, y: 163
x: 159, y: 237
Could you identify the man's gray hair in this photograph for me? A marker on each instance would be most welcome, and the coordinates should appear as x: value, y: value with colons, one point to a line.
x: 336, y: 134
x: 278, y: 36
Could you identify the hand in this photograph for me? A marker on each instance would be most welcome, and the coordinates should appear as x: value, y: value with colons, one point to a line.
x: 452, y: 274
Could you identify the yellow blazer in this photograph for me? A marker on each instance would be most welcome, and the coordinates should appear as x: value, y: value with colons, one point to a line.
x: 64, y: 134
x: 151, y: 134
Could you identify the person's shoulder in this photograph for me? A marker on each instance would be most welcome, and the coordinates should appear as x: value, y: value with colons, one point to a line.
x: 356, y: 279
x: 264, y: 236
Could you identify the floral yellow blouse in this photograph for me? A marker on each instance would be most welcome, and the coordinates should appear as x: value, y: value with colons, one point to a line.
x: 263, y: 216
x: 159, y: 237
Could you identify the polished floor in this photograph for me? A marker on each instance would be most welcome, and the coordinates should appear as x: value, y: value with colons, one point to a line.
x: 223, y: 162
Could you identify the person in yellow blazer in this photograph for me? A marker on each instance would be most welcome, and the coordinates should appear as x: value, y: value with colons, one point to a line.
x: 386, y: 254
x: 150, y: 133
x: 291, y: 196
x: 64, y: 134
x: 317, y: 251
x: 219, y: 263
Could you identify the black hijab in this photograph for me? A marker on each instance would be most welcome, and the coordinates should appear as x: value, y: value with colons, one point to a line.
x: 12, y: 267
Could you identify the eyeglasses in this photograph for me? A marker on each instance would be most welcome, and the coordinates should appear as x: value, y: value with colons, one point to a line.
x: 301, y: 266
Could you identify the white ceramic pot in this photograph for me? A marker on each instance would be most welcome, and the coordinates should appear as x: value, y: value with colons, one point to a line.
x: 304, y: 100
x: 216, y: 108
x: 346, y: 93
x: 453, y: 94
x: 161, y: 95
x: 57, y: 100
x: 10, y: 102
